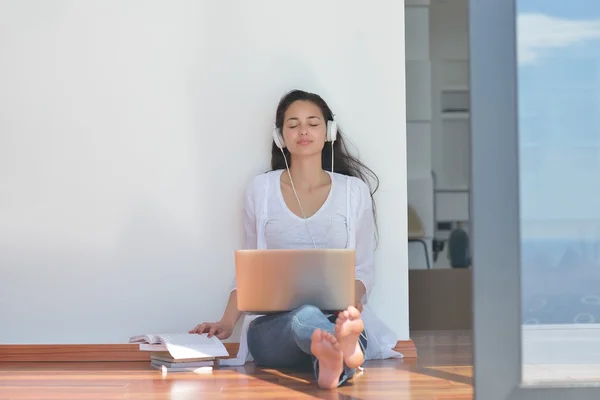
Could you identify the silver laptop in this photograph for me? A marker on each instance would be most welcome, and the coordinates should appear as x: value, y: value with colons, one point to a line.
x: 270, y: 281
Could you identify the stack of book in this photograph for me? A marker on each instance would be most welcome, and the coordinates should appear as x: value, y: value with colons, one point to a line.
x: 179, y: 352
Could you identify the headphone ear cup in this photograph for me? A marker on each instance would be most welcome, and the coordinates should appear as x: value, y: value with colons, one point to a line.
x: 331, y: 131
x: 278, y: 139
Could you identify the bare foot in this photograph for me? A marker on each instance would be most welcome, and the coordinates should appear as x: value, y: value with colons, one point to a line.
x: 326, y: 348
x: 348, y: 327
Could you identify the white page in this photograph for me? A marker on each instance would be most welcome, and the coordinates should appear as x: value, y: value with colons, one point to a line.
x: 150, y: 339
x: 182, y: 346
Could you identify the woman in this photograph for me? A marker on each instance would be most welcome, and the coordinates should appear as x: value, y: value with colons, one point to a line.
x: 301, y: 203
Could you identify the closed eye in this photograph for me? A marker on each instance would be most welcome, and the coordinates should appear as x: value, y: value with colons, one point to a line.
x: 295, y: 126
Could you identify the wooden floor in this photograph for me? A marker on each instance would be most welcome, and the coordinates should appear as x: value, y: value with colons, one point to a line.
x: 443, y: 371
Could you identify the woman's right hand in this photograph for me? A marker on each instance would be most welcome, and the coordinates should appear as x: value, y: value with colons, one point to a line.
x: 219, y: 329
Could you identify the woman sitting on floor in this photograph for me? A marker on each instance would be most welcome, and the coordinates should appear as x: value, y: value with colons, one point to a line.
x: 303, y: 204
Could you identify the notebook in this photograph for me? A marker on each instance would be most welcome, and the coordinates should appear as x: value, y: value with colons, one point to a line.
x: 183, y: 346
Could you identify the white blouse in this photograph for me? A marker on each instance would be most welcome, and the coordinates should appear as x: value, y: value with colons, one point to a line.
x: 345, y: 220
x: 328, y: 226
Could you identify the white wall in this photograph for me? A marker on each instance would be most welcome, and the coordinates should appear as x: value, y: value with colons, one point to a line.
x: 129, y: 129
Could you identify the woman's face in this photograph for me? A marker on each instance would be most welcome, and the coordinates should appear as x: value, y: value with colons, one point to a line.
x: 304, y: 128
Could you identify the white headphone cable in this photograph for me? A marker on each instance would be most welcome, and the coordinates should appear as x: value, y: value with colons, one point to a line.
x: 332, y: 157
x: 298, y: 198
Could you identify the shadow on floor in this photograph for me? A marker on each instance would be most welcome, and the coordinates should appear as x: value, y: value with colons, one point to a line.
x: 301, y: 381
x: 449, y: 376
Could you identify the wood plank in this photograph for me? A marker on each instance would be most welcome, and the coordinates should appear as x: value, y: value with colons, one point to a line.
x: 81, y: 352
x: 407, y: 348
x: 114, y: 352
x: 442, y: 371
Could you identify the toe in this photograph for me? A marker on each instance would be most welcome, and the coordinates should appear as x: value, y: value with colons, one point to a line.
x: 353, y: 312
x: 316, y: 336
x: 330, y: 338
x: 334, y: 343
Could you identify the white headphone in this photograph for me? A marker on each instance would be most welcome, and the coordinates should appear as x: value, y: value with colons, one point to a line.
x: 280, y: 143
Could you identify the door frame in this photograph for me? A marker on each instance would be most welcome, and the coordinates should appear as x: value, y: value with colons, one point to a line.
x: 494, y: 211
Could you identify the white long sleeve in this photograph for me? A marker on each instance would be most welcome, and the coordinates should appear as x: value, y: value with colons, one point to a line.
x: 249, y: 223
x: 249, y: 219
x: 365, y: 241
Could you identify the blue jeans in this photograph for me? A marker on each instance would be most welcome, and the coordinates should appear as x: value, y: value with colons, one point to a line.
x: 282, y: 340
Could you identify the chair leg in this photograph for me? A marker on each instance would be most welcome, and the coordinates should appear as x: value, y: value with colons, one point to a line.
x: 426, y: 251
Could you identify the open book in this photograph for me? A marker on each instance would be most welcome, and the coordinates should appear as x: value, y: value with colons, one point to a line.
x: 185, y: 345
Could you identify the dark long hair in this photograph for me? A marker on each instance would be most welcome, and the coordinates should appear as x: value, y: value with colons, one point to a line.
x: 344, y: 162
